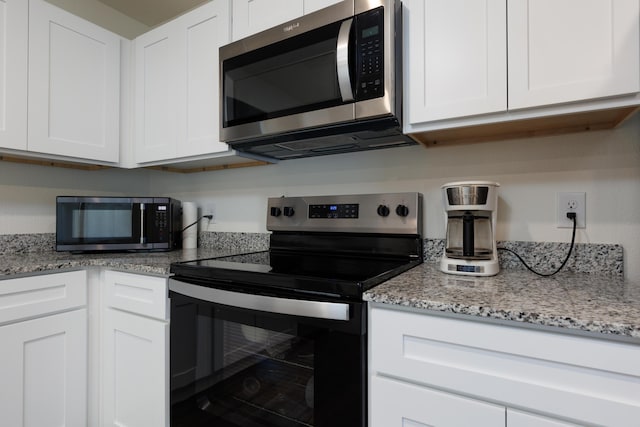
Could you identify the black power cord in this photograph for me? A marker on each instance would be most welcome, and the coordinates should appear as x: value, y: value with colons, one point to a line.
x: 571, y: 216
x: 196, y: 221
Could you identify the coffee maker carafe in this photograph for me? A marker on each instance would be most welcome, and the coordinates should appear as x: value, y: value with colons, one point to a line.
x: 471, y: 211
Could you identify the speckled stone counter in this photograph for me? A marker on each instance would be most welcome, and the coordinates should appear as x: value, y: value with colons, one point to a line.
x: 569, y: 302
x: 24, y: 254
x: 146, y: 263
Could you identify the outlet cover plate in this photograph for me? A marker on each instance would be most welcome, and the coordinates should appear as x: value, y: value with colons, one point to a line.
x: 571, y: 202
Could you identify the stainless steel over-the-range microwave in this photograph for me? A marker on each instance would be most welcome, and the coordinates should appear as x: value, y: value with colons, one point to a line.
x: 328, y: 82
x: 117, y: 223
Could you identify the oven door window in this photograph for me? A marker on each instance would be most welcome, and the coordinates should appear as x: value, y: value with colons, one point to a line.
x: 97, y: 223
x: 290, y: 77
x: 241, y: 368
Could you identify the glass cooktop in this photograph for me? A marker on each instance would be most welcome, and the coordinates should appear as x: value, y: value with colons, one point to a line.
x: 271, y: 271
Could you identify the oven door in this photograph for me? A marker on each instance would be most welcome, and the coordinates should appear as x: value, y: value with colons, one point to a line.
x: 246, y: 360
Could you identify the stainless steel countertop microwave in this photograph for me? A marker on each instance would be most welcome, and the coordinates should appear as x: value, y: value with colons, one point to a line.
x: 95, y: 224
x: 328, y: 82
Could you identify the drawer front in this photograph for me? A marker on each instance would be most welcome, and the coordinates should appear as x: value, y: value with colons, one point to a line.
x: 137, y: 293
x: 397, y: 404
x: 35, y: 296
x: 577, y: 378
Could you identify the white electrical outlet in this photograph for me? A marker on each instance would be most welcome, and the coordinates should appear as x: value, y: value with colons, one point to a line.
x: 209, y: 209
x: 571, y: 202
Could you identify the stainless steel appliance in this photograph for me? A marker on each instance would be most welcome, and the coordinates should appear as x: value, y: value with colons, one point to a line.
x: 279, y: 338
x: 328, y: 82
x: 470, y: 246
x: 117, y: 223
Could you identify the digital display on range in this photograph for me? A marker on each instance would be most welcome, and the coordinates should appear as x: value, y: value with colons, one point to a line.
x: 344, y: 210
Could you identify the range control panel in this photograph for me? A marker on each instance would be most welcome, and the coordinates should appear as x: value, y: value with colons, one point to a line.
x: 388, y: 213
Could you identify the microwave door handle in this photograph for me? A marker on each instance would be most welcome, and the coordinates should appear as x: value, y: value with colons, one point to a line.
x: 342, y: 60
x: 143, y: 239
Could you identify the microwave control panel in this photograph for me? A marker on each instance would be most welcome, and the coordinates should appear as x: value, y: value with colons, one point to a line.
x: 370, y: 52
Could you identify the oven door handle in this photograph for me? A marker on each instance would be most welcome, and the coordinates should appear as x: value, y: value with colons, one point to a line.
x: 294, y: 307
x: 342, y: 60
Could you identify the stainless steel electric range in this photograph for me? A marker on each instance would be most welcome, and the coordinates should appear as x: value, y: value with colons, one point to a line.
x: 279, y: 338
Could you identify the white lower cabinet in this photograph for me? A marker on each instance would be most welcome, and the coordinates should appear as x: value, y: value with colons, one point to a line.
x: 522, y: 419
x: 398, y: 404
x: 43, y: 361
x: 430, y: 370
x: 135, y: 351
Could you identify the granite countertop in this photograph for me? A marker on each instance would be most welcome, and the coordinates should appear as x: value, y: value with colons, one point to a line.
x: 573, y: 302
x: 141, y: 262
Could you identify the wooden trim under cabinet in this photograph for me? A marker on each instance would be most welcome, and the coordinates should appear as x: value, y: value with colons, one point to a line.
x: 541, y: 126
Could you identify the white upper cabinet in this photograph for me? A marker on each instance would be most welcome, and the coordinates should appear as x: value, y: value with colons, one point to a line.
x: 456, y: 58
x: 562, y: 57
x: 572, y: 50
x: 13, y: 73
x: 155, y: 94
x: 313, y: 5
x: 74, y: 86
x: 201, y: 33
x: 177, y: 99
x: 253, y: 16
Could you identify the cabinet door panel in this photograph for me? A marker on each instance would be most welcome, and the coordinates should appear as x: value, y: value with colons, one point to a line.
x: 74, y: 85
x: 313, y: 5
x: 155, y: 95
x: 396, y: 404
x: 135, y: 383
x: 13, y: 73
x: 455, y: 57
x: 253, y: 16
x: 571, y: 50
x: 43, y: 366
x: 202, y: 32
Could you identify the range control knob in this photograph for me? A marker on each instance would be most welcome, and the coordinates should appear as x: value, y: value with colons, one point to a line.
x: 288, y: 211
x: 383, y: 210
x: 402, y: 210
x: 276, y: 211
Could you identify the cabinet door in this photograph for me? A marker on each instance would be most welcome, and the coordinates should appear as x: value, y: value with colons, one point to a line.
x: 397, y: 404
x: 455, y: 56
x: 253, y: 16
x: 13, y: 73
x: 200, y: 35
x: 313, y: 5
x: 570, y: 50
x: 523, y: 419
x: 74, y: 86
x: 43, y: 366
x: 135, y: 384
x: 155, y: 94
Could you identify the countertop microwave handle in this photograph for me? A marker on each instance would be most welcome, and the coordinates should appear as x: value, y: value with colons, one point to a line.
x: 342, y: 60
x: 143, y: 239
x: 294, y: 307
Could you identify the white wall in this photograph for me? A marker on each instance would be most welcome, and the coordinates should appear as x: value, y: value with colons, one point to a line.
x: 28, y: 192
x: 604, y: 164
